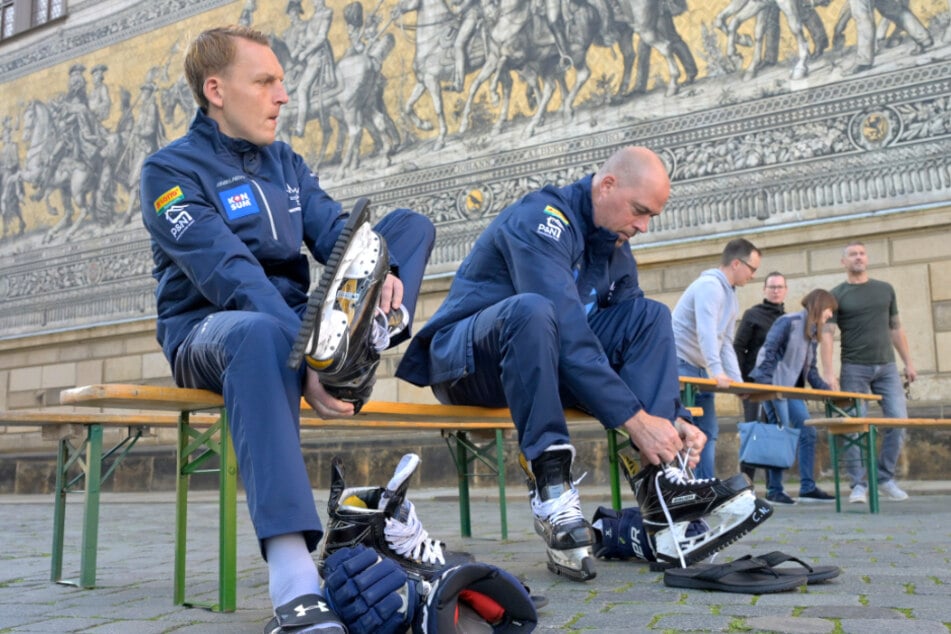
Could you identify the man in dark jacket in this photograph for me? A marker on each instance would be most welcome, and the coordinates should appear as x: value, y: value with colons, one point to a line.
x: 750, y: 336
x: 546, y: 313
x: 228, y: 210
x: 751, y: 333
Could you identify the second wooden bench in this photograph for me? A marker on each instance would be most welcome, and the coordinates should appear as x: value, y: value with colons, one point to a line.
x: 861, y: 432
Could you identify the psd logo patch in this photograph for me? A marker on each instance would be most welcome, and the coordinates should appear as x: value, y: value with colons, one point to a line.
x: 239, y: 202
x: 179, y: 219
x: 168, y: 199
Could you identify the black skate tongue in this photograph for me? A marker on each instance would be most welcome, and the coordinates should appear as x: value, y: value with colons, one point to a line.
x: 337, y: 484
x: 395, y: 493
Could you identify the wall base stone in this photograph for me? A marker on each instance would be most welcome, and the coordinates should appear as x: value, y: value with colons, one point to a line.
x: 369, y: 457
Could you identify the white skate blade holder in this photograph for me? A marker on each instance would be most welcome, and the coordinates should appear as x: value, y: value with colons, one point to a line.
x: 672, y: 543
x: 357, y: 263
x: 574, y: 563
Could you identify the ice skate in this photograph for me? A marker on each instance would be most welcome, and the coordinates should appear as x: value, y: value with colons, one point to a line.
x: 383, y: 519
x: 557, y: 509
x: 690, y: 519
x: 342, y: 323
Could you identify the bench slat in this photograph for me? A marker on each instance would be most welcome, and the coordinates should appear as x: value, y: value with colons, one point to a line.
x: 121, y: 395
x: 846, y: 425
x: 760, y: 391
x: 34, y: 417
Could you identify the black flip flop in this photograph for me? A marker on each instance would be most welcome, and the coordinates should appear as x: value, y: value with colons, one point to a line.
x: 745, y: 576
x: 814, y: 574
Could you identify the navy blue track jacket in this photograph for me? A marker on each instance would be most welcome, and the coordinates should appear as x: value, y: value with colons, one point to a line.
x: 227, y: 219
x: 545, y: 243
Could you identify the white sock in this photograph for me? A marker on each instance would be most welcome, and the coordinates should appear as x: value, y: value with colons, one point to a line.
x: 291, y: 569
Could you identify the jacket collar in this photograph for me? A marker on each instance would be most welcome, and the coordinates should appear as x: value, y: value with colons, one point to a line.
x: 207, y: 128
x: 595, y: 237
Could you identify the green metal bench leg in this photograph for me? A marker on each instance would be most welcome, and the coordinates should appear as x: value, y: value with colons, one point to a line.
x: 500, y: 465
x: 181, y: 511
x: 59, y: 512
x: 834, y: 455
x: 614, y: 470
x: 90, y: 544
x: 227, y: 508
x: 871, y: 469
x: 462, y: 466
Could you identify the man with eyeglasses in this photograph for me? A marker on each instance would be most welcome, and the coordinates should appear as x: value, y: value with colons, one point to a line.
x: 703, y: 322
x: 751, y: 333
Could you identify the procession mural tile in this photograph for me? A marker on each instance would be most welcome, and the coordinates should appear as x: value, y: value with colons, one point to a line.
x: 767, y: 113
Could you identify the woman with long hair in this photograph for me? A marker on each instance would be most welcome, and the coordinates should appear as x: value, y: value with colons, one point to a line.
x: 788, y: 358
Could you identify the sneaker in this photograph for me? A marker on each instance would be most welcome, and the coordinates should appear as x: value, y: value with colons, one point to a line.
x: 308, y: 613
x: 859, y: 495
x: 780, y: 498
x: 816, y: 495
x: 892, y: 492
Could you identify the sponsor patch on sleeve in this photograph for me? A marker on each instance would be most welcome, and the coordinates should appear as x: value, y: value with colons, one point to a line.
x: 239, y: 202
x: 555, y: 213
x: 555, y: 223
x: 169, y: 198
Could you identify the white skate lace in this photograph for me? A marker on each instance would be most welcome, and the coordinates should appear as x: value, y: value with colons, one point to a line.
x: 682, y: 474
x: 678, y: 475
x: 564, y: 508
x: 409, y: 539
x: 385, y: 327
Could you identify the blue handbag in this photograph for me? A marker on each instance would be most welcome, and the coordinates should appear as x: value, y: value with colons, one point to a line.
x: 768, y: 445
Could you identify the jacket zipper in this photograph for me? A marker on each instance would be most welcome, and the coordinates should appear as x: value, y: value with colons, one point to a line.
x: 270, y: 216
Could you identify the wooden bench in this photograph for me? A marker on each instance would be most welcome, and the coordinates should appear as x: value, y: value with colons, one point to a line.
x: 203, y: 436
x: 861, y: 432
x: 80, y: 445
x: 837, y: 403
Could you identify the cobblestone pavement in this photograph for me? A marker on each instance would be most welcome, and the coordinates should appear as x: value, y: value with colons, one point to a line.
x: 897, y: 569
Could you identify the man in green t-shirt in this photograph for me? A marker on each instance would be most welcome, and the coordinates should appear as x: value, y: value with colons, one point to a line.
x: 868, y: 320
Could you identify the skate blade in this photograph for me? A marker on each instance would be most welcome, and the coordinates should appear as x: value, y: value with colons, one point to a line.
x: 574, y: 563
x: 737, y: 517
x: 332, y: 270
x: 343, y: 296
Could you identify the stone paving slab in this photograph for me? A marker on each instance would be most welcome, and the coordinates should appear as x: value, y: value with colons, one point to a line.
x: 897, y: 570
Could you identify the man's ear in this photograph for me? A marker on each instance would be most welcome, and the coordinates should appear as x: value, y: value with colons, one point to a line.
x: 212, y: 90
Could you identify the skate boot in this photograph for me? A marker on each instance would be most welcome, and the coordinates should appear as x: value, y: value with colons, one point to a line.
x: 383, y: 519
x: 557, y: 509
x: 342, y: 321
x: 690, y: 519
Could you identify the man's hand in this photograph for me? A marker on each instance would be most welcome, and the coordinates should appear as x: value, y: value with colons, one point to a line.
x: 391, y: 295
x: 658, y: 441
x: 693, y: 440
x: 723, y: 381
x: 323, y: 403
x: 911, y: 373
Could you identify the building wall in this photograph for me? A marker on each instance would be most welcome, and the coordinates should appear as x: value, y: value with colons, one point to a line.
x: 799, y: 162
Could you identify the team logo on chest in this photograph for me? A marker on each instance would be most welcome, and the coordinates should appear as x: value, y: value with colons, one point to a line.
x: 239, y: 202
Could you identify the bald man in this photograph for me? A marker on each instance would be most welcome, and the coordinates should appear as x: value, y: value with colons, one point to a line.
x: 546, y: 313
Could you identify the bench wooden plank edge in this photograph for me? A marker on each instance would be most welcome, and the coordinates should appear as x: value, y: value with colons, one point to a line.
x: 841, y: 425
x: 763, y: 390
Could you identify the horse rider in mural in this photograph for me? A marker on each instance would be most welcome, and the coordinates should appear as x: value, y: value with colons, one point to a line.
x: 81, y: 135
x: 315, y: 57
